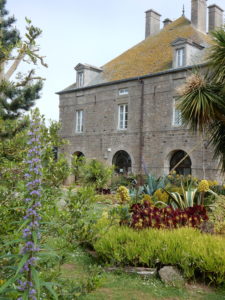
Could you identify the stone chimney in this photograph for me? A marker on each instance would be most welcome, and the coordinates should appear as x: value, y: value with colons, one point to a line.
x: 167, y: 22
x: 152, y: 25
x: 198, y: 14
x: 215, y: 17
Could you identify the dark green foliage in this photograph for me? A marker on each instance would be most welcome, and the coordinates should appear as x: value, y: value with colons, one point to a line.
x: 9, y: 35
x: 15, y: 99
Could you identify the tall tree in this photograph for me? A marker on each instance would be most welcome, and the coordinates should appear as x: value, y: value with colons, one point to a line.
x: 202, y: 98
x: 18, y: 91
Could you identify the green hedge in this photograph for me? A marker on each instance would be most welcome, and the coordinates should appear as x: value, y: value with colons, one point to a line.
x: 193, y: 252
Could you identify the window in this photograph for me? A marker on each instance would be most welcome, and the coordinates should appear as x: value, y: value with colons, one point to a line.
x: 177, y: 120
x: 79, y: 121
x: 123, y: 116
x: 80, y: 79
x: 180, y: 57
x: 123, y: 92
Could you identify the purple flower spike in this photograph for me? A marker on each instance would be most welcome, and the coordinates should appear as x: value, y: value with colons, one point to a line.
x: 33, y: 182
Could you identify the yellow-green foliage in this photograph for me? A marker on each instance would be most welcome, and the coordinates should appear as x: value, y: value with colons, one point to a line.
x: 123, y: 194
x: 217, y: 215
x: 160, y: 195
x: 187, y: 248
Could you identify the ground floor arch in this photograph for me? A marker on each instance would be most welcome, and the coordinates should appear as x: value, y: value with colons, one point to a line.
x: 122, y: 162
x: 180, y: 162
x: 78, y: 154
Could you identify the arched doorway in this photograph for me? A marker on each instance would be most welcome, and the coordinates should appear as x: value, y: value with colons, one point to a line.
x: 78, y: 154
x: 77, y: 162
x: 122, y: 162
x: 184, y: 168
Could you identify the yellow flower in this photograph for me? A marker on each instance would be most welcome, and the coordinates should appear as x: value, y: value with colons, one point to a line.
x: 123, y: 194
x: 203, y: 186
x: 161, y: 195
x: 2, y: 281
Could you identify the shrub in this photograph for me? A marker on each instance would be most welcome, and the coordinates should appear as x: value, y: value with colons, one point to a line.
x: 196, y: 254
x: 145, y: 215
x: 96, y: 173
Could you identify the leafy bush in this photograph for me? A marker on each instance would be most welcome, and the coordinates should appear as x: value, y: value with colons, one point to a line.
x: 96, y: 173
x: 80, y: 212
x: 145, y: 215
x: 196, y: 254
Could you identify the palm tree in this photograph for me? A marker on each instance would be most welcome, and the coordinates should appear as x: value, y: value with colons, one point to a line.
x: 202, y: 99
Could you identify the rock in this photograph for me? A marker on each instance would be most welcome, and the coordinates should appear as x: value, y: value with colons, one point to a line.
x: 144, y: 272
x: 171, y: 276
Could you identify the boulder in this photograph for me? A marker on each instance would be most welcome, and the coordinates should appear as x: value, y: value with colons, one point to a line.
x: 171, y: 276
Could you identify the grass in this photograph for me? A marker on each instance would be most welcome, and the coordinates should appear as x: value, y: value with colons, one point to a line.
x: 121, y: 286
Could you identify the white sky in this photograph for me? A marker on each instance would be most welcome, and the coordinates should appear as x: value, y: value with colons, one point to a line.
x: 86, y: 31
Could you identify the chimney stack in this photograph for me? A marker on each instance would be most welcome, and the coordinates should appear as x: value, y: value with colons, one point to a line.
x: 152, y: 25
x: 198, y: 14
x: 215, y: 17
x: 166, y: 22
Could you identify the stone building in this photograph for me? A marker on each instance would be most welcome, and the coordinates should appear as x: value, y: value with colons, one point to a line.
x: 124, y: 113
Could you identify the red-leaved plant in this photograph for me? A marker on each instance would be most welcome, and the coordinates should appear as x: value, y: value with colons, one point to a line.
x: 146, y: 215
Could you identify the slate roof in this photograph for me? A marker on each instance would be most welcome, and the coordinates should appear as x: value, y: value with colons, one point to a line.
x: 155, y: 53
x: 152, y: 55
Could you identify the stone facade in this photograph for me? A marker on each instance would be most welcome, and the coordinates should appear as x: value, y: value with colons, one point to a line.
x: 150, y: 139
x: 101, y: 138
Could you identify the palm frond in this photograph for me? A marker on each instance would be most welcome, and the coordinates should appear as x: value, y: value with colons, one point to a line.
x: 217, y: 56
x: 217, y: 131
x: 200, y: 102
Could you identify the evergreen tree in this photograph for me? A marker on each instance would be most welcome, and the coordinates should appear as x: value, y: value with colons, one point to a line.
x: 18, y: 91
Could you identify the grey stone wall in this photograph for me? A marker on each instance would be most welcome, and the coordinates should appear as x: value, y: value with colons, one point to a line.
x: 101, y: 138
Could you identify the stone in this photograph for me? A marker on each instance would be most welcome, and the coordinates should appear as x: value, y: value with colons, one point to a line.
x: 143, y: 272
x: 171, y: 276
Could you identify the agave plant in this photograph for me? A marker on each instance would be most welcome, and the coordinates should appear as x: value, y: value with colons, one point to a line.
x: 154, y: 184
x: 188, y: 198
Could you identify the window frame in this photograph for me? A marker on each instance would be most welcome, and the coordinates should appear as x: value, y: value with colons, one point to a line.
x: 176, y: 118
x: 123, y: 116
x: 79, y: 128
x: 80, y: 78
x: 180, y: 57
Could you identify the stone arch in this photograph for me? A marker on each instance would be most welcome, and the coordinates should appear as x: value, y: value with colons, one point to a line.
x: 122, y: 162
x: 78, y: 154
x: 184, y: 168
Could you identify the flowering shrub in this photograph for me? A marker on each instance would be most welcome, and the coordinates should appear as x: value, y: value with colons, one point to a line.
x: 123, y: 194
x: 145, y: 215
x: 203, y: 186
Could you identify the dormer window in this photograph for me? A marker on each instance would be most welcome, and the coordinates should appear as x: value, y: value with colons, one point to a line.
x: 180, y: 57
x: 186, y: 52
x: 80, y: 78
